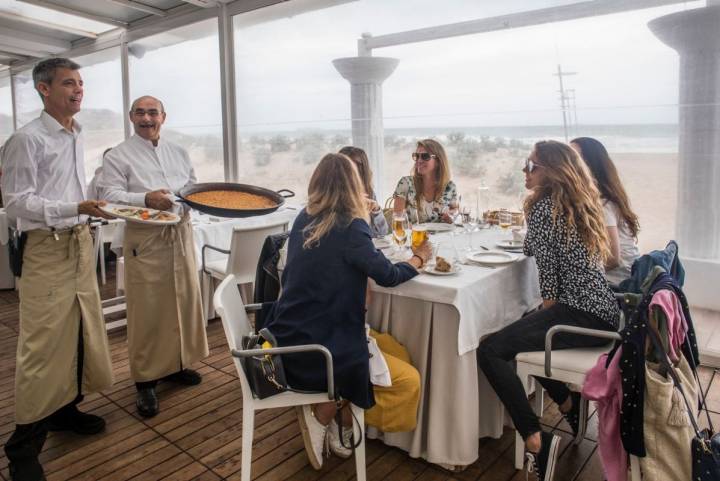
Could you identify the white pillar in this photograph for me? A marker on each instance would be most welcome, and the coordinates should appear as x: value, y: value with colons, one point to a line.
x: 695, y: 34
x: 366, y: 75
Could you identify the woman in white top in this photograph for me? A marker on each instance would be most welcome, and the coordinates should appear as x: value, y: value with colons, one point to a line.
x: 622, y: 223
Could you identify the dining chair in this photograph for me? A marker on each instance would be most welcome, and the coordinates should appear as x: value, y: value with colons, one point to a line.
x: 569, y: 366
x: 240, y: 260
x: 233, y: 313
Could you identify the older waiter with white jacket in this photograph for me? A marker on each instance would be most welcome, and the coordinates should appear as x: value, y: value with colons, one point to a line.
x: 166, y: 331
x: 62, y: 348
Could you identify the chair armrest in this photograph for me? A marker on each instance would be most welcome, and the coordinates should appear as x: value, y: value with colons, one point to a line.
x: 292, y: 350
x: 611, y: 335
x: 217, y: 249
x: 253, y: 307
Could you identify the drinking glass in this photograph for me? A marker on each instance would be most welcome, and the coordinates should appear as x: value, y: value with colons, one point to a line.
x: 400, y: 228
x: 504, y: 220
x: 470, y: 225
x: 419, y: 235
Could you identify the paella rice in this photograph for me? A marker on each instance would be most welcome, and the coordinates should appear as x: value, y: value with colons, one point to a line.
x: 232, y: 199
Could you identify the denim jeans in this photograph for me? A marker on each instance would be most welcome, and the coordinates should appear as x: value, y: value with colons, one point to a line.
x: 496, y: 354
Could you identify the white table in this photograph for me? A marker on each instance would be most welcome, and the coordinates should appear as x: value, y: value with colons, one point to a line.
x: 441, y: 320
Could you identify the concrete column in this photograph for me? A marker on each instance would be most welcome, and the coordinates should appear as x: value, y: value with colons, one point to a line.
x: 695, y: 35
x: 366, y: 75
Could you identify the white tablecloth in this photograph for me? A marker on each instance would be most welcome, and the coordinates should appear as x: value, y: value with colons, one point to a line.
x: 440, y: 320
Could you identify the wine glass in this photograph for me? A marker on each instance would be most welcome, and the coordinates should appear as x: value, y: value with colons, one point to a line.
x: 470, y: 225
x: 504, y: 220
x: 400, y: 229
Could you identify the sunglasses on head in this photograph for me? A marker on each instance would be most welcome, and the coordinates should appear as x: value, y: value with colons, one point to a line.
x: 424, y: 156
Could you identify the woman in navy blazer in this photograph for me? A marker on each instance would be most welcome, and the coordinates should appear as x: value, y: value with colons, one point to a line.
x: 330, y: 257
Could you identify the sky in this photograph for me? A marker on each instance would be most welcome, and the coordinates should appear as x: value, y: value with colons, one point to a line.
x: 286, y: 81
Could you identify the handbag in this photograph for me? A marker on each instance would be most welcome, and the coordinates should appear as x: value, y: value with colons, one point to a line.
x: 705, y: 446
x: 265, y: 373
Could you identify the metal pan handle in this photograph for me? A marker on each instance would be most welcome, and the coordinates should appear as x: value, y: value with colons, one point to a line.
x: 290, y: 193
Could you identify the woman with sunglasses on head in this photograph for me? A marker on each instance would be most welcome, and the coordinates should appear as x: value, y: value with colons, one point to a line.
x: 567, y: 236
x: 378, y: 223
x: 428, y: 195
x: 621, y: 222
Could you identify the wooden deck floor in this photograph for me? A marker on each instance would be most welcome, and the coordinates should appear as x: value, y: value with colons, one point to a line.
x: 197, y: 433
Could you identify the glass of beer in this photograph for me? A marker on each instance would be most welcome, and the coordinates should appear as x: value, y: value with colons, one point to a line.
x: 400, y: 227
x: 504, y: 219
x: 419, y: 235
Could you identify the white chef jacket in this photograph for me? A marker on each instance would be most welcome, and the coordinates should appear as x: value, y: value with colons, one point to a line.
x: 43, y: 177
x: 136, y: 167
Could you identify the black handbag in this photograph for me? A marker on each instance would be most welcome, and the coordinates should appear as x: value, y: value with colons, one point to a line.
x: 705, y: 446
x: 265, y: 373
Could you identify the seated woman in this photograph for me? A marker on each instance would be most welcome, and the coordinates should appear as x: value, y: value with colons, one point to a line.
x: 378, y: 223
x: 567, y: 236
x: 621, y: 222
x: 330, y: 257
x: 428, y: 195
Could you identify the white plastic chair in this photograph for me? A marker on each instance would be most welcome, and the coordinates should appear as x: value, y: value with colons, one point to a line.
x: 566, y: 365
x: 240, y: 260
x: 233, y: 312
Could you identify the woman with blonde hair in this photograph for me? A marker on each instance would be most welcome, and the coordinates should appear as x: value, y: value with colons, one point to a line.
x: 428, y: 195
x: 567, y: 236
x: 621, y: 222
x: 378, y: 223
x: 330, y: 257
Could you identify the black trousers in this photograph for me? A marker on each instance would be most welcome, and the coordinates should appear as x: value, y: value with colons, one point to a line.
x: 26, y: 442
x: 496, y: 354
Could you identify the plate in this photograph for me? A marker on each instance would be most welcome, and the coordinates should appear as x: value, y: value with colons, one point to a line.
x: 132, y: 214
x: 382, y: 243
x: 431, y: 270
x: 437, y: 226
x: 510, y: 245
x: 492, y: 257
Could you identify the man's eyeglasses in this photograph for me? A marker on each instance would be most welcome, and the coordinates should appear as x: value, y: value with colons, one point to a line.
x: 424, y: 156
x: 142, y: 112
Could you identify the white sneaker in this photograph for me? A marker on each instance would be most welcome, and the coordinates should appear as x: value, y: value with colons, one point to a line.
x: 336, y: 447
x: 313, y: 433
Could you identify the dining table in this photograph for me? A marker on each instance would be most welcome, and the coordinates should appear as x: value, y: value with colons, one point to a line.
x: 441, y: 320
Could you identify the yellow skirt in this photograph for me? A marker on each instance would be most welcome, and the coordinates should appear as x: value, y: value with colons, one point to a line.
x: 396, y: 406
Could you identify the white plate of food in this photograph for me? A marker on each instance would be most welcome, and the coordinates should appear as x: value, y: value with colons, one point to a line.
x: 492, y: 257
x: 441, y: 267
x: 511, y: 245
x: 142, y: 215
x: 382, y: 243
x: 437, y: 226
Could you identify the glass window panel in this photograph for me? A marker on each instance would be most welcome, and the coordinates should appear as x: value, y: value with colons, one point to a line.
x: 27, y: 100
x: 6, y: 119
x: 181, y: 67
x: 102, y: 110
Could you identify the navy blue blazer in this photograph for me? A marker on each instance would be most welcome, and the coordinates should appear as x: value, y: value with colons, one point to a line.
x: 323, y: 302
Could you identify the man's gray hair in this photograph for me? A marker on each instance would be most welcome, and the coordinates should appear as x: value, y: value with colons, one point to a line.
x: 45, y: 71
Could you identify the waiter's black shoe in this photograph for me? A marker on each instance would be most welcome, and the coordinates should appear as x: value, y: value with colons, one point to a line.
x: 147, y: 402
x: 26, y: 470
x: 186, y: 377
x: 69, y: 418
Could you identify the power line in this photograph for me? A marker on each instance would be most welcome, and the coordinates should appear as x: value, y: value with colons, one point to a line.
x: 565, y: 99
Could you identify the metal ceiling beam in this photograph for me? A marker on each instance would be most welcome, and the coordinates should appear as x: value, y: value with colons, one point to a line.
x: 41, y: 23
x: 72, y: 11
x: 13, y: 56
x: 588, y: 8
x: 17, y: 41
x: 202, y: 3
x: 140, y: 7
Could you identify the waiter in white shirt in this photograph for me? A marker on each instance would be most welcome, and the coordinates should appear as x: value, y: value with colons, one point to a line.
x: 166, y: 331
x: 62, y: 348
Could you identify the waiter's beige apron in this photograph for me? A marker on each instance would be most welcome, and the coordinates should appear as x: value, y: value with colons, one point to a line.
x: 58, y: 292
x: 166, y: 331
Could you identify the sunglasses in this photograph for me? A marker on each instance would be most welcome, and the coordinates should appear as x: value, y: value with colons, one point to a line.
x: 424, y: 156
x: 530, y: 165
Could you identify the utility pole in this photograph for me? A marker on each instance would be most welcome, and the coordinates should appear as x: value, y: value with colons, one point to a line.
x: 564, y: 98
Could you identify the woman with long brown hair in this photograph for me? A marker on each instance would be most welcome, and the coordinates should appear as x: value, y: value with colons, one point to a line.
x: 428, y: 195
x: 378, y: 223
x: 621, y: 222
x: 567, y: 236
x: 330, y: 257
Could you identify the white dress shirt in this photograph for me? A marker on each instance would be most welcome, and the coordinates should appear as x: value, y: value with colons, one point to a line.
x: 136, y: 167
x: 43, y: 177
